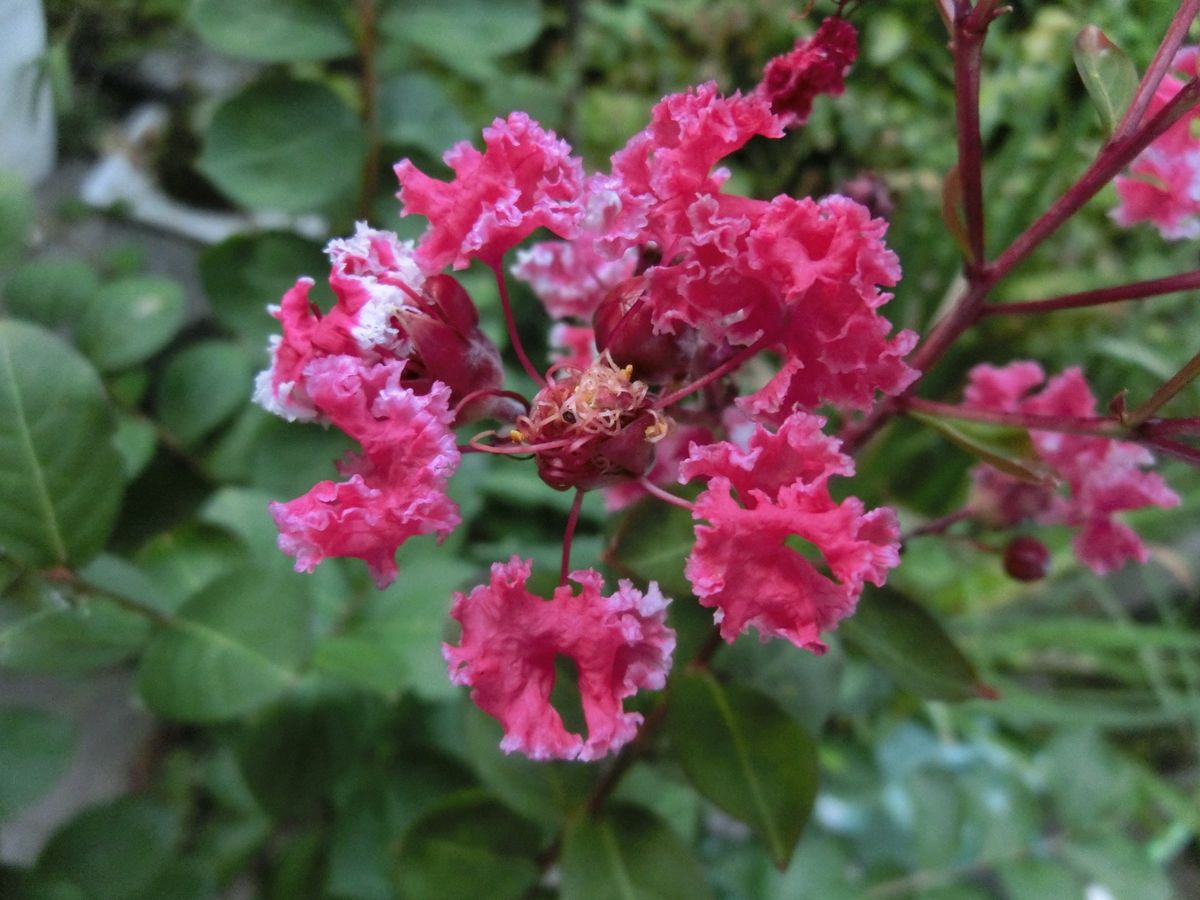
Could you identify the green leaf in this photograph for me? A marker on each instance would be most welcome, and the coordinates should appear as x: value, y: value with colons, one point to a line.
x: 402, y: 650
x: 201, y: 387
x: 35, y: 750
x: 1108, y: 74
x: 16, y: 217
x: 747, y: 756
x: 415, y: 111
x: 51, y: 291
x: 114, y: 851
x: 1035, y: 879
x: 628, y: 854
x: 465, y: 34
x: 245, y: 273
x: 804, y: 684
x: 912, y: 646
x: 187, y: 559
x: 130, y: 320
x: 1120, y: 866
x: 55, y: 637
x: 465, y: 842
x: 997, y: 445
x: 274, y: 30
x: 546, y: 792
x: 269, y: 147
x: 136, y: 441
x: 58, y: 496
x: 233, y: 647
x: 293, y: 750
x: 651, y: 542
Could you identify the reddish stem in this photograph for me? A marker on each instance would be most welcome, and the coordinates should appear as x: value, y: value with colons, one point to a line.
x: 1159, y: 427
x: 708, y: 378
x: 1114, y: 157
x: 937, y: 526
x: 1159, y: 66
x: 969, y: 35
x: 1189, y: 455
x: 511, y: 323
x: 666, y: 496
x: 1136, y: 290
x: 569, y: 536
x: 1170, y: 388
x: 490, y: 392
x: 1095, y: 425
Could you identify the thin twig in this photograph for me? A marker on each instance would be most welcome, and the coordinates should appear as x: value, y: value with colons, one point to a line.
x: 1137, y: 290
x: 368, y: 93
x: 569, y: 536
x: 511, y: 323
x: 1159, y: 66
x: 1170, y: 388
x: 1092, y: 425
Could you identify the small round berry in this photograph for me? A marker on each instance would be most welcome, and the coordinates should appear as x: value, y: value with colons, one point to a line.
x: 1026, y: 558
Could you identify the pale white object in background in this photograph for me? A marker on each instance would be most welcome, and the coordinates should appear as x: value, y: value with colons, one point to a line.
x: 27, y: 136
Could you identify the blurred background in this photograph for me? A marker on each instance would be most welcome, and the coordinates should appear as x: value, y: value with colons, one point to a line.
x: 182, y: 716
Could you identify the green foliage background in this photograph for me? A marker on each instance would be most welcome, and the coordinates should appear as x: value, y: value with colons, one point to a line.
x: 308, y: 744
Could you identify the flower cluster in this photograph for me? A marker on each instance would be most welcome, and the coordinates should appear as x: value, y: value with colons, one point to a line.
x: 1164, y: 187
x: 1101, y: 476
x: 663, y: 285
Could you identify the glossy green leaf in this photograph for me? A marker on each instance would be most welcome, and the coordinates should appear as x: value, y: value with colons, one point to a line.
x: 747, y: 756
x: 35, y: 750
x: 275, y: 30
x: 804, y: 684
x: 292, y: 751
x: 130, y: 320
x: 50, y: 291
x: 201, y: 387
x: 233, y: 647
x: 187, y: 559
x: 414, y: 110
x: 628, y: 854
x: 465, y: 34
x: 1108, y: 74
x: 67, y: 638
x: 58, y: 493
x: 269, y: 146
x: 651, y: 542
x: 113, y: 851
x: 401, y: 649
x: 912, y: 646
x: 245, y: 273
x: 465, y: 843
x: 136, y: 441
x: 546, y: 792
x: 998, y: 446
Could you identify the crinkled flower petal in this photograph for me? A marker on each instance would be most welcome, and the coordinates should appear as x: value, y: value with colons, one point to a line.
x: 1100, y: 476
x: 814, y: 66
x: 524, y: 180
x: 1163, y: 187
x: 396, y: 488
x: 761, y: 496
x: 511, y: 639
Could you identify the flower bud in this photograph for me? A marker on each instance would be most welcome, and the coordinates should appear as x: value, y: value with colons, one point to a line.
x: 1026, y: 558
x: 623, y: 327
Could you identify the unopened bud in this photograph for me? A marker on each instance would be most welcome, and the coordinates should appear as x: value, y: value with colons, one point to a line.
x: 1026, y: 558
x: 623, y: 328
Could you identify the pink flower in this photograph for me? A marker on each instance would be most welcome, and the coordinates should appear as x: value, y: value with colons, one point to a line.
x: 385, y: 310
x: 1102, y: 476
x: 814, y: 66
x: 525, y: 179
x: 1164, y: 186
x: 571, y: 277
x: 757, y: 498
x: 511, y: 638
x: 396, y: 488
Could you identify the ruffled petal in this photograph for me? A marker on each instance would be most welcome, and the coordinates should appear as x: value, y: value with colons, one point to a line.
x: 511, y: 639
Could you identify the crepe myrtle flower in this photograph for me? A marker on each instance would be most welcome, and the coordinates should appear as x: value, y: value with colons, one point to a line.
x: 662, y: 286
x: 1093, y: 478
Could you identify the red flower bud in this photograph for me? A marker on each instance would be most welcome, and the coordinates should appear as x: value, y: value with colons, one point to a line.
x: 1026, y: 558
